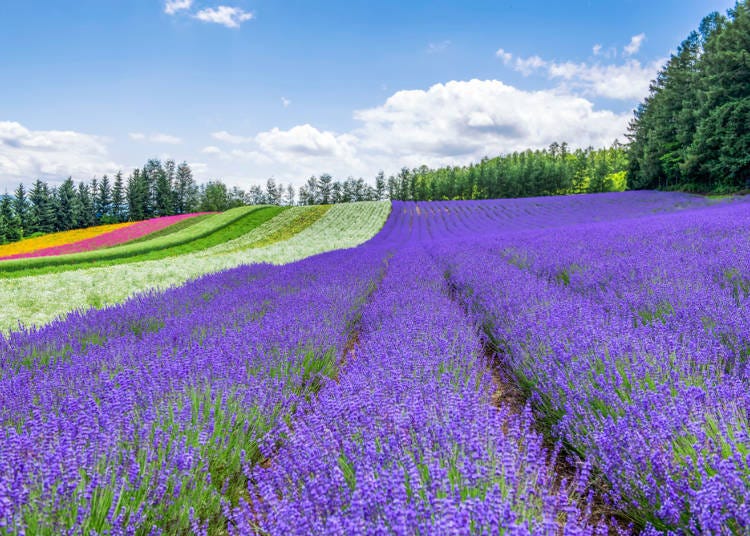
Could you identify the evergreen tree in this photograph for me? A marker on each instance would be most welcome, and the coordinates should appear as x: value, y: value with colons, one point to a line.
x: 186, y: 191
x: 119, y: 203
x: 11, y: 225
x: 84, y: 215
x: 65, y: 206
x: 21, y: 209
x: 692, y: 130
x: 103, y: 202
x: 720, y: 153
x: 164, y: 197
x: 137, y: 196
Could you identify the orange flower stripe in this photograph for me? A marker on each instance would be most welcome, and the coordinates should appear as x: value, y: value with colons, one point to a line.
x: 59, y: 239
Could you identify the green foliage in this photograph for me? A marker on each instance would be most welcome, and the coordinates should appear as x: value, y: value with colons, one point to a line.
x: 552, y: 171
x: 693, y: 131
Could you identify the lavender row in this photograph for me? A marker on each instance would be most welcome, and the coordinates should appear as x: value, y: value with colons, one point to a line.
x: 408, y: 441
x: 632, y: 337
x: 147, y: 429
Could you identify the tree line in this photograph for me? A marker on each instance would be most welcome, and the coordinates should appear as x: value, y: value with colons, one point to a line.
x: 692, y: 132
x: 157, y: 189
x: 553, y: 171
x: 165, y: 189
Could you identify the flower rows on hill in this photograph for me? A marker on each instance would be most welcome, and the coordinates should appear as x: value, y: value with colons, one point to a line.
x: 100, y: 237
x: 51, y: 240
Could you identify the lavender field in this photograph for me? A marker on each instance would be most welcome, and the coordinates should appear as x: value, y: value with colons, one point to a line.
x: 558, y: 365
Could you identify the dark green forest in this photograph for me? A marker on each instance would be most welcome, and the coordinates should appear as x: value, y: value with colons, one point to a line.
x: 693, y: 130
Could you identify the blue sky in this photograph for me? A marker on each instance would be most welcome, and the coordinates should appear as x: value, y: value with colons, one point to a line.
x: 248, y: 89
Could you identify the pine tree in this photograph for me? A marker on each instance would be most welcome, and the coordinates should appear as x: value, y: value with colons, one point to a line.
x: 21, y: 209
x: 84, y: 214
x: 137, y: 196
x: 118, y: 199
x: 103, y: 202
x: 65, y: 206
x: 186, y: 191
x: 12, y: 231
x: 720, y: 153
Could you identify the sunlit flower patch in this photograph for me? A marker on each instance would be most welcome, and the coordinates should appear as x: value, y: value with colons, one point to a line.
x: 31, y: 245
x: 112, y: 235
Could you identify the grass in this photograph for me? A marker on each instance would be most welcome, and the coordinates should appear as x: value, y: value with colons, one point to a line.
x: 207, y: 233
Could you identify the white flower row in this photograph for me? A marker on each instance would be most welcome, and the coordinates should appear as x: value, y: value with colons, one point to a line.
x: 36, y: 300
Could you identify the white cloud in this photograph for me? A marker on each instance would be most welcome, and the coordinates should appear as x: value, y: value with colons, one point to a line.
x: 305, y: 141
x: 461, y: 121
x: 285, y: 102
x: 137, y: 136
x: 441, y: 46
x: 212, y: 149
x: 231, y: 17
x: 529, y: 65
x: 447, y: 124
x: 503, y: 55
x: 26, y: 155
x: 625, y: 81
x: 173, y: 6
x: 635, y: 44
x: 230, y: 138
x: 596, y: 49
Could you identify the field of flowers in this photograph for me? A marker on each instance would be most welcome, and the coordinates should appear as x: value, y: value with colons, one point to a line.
x: 38, y: 299
x: 536, y: 366
x: 104, y: 236
x: 214, y: 230
x: 31, y: 245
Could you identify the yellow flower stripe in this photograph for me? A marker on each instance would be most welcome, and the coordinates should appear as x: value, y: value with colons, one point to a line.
x: 58, y: 239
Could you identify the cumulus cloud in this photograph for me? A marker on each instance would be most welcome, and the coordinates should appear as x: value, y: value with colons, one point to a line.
x: 504, y: 55
x: 173, y: 6
x: 528, y: 65
x: 445, y: 124
x: 137, y: 136
x: 464, y: 120
x: 285, y: 102
x: 628, y: 80
x: 305, y: 141
x: 27, y: 154
x: 635, y: 44
x: 231, y: 17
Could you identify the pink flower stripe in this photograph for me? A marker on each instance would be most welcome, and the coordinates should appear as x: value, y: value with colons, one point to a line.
x: 113, y: 238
